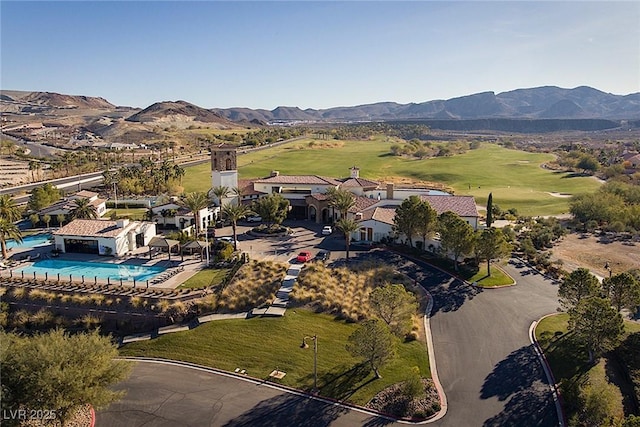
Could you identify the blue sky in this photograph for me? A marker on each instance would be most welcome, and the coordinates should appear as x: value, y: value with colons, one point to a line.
x: 315, y: 54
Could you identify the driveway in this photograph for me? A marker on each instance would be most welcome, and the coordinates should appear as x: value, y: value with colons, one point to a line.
x: 485, y: 361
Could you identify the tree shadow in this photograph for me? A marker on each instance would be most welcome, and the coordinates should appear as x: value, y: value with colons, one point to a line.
x: 449, y: 294
x: 519, y: 380
x: 512, y: 375
x: 530, y: 408
x: 288, y: 409
x: 344, y: 385
x: 377, y: 422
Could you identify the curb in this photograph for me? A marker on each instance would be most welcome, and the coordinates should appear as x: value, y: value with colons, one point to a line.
x: 514, y: 282
x: 557, y: 397
x: 432, y: 362
x: 93, y: 416
x: 274, y: 386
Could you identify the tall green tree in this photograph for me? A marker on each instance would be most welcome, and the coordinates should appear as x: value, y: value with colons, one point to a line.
x: 394, y: 306
x: 43, y: 196
x: 347, y: 226
x: 456, y: 236
x: 490, y: 210
x: 623, y: 289
x: 195, y: 202
x: 373, y: 342
x: 492, y: 244
x: 576, y: 286
x: 59, y: 372
x: 8, y: 208
x: 60, y: 218
x: 83, y: 209
x: 273, y: 208
x: 426, y: 222
x: 8, y: 230
x: 234, y: 213
x: 407, y: 216
x: 596, y: 324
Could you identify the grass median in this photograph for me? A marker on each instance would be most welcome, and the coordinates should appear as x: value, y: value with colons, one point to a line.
x: 260, y: 345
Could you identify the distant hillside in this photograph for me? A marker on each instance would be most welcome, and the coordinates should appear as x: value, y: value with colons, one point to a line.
x: 177, y: 111
x: 548, y: 102
x: 55, y: 100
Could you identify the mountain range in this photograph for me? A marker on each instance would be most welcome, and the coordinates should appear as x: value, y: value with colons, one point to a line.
x: 547, y: 102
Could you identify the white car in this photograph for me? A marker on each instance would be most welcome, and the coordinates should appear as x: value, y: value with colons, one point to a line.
x: 326, y: 230
x: 255, y: 218
x: 228, y: 240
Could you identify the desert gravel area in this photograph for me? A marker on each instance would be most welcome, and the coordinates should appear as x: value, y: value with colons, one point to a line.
x: 576, y: 251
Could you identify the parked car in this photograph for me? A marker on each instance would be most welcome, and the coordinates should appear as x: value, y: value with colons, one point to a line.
x: 303, y: 256
x: 326, y: 230
x: 227, y: 239
x: 323, y: 256
x: 222, y: 223
x: 254, y: 218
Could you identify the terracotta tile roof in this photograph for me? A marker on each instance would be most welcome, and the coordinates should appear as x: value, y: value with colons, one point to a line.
x: 358, y: 183
x: 84, y: 194
x: 92, y: 228
x: 462, y: 205
x: 318, y: 196
x: 363, y: 203
x: 246, y: 186
x: 384, y: 214
x: 67, y: 205
x: 299, y: 179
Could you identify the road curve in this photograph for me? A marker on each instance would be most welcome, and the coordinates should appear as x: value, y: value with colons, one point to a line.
x: 486, y: 364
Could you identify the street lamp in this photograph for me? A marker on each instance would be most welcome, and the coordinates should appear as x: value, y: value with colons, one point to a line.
x: 315, y: 358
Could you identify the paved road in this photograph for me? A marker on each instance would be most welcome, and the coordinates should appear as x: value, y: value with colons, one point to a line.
x: 485, y: 361
x: 173, y: 396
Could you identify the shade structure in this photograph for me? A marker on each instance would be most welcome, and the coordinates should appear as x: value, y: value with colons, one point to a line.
x: 163, y: 244
x: 194, y: 246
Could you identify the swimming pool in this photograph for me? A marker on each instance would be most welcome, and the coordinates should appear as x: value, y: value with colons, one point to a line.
x: 89, y: 270
x: 30, y: 241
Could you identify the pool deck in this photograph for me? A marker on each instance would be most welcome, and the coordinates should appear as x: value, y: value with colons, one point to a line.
x: 188, y: 266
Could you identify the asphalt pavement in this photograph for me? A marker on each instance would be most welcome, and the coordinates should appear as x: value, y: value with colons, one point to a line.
x: 486, y: 364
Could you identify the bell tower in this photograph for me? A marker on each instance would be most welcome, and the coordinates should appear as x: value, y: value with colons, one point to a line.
x: 224, y: 166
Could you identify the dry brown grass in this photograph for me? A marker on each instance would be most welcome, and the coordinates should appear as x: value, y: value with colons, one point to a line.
x: 575, y: 252
x: 342, y: 291
x: 255, y: 284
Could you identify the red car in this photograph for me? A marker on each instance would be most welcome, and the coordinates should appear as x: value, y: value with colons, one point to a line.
x: 304, y: 256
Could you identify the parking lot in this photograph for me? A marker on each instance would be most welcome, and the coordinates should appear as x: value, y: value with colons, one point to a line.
x: 306, y: 235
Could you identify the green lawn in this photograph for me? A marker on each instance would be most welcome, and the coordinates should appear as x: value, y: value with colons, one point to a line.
x: 136, y: 214
x: 261, y: 345
x: 498, y: 277
x: 204, y: 278
x: 568, y: 359
x: 514, y: 177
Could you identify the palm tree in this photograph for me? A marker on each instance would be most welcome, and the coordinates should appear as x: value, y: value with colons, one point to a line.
x: 234, y: 213
x: 8, y: 208
x: 178, y: 172
x: 347, y: 226
x: 220, y: 192
x: 342, y: 200
x: 83, y: 210
x: 60, y: 219
x: 195, y: 202
x: 8, y: 230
